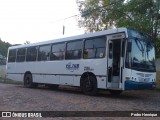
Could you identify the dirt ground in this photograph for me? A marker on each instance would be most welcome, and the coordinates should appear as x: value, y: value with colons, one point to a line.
x: 17, y: 98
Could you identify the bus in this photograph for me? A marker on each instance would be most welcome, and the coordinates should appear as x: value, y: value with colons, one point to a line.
x: 116, y: 60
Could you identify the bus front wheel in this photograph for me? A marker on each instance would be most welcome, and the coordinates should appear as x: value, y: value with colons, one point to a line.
x: 28, y: 82
x: 89, y: 85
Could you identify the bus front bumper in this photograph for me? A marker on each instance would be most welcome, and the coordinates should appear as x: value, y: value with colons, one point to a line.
x: 132, y: 85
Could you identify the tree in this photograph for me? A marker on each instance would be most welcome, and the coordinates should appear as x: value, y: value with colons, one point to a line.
x: 27, y: 42
x: 142, y: 15
x: 4, y: 48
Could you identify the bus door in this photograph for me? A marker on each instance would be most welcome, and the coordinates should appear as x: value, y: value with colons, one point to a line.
x: 115, y: 62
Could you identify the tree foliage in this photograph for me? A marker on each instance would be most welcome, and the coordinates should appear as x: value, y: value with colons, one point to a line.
x: 142, y: 15
x: 27, y: 42
x: 4, y: 48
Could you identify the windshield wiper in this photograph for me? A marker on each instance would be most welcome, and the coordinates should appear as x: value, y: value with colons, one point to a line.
x: 139, y: 45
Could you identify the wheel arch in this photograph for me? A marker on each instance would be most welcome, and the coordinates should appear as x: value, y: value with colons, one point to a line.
x: 31, y: 84
x: 85, y: 74
x: 27, y: 72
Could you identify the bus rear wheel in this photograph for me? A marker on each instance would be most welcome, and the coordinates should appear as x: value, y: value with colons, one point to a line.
x: 28, y: 81
x: 89, y: 85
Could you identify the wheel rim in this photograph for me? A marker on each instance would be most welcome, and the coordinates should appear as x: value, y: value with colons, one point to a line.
x: 27, y: 80
x: 88, y: 85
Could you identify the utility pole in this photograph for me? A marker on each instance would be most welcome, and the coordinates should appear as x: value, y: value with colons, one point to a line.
x: 63, y: 30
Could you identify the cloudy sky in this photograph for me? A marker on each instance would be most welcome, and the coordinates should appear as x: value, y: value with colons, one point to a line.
x: 37, y: 20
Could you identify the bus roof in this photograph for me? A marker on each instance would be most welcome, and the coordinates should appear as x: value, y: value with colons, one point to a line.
x: 83, y: 36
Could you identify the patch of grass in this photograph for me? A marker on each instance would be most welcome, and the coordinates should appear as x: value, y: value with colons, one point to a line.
x: 8, y: 81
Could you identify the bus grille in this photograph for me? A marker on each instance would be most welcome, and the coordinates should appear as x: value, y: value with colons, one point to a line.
x: 144, y: 75
x: 143, y: 79
x: 140, y: 74
x: 148, y: 75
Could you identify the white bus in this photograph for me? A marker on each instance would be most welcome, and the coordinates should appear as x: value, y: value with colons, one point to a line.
x: 117, y: 60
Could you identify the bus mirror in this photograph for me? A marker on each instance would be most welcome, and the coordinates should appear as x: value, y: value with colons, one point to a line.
x: 129, y: 47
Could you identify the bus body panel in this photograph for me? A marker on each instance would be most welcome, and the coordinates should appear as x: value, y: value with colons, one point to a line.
x: 69, y: 72
x: 141, y: 80
x: 57, y: 72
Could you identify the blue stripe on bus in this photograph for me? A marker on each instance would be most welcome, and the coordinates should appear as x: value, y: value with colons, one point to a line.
x: 132, y: 85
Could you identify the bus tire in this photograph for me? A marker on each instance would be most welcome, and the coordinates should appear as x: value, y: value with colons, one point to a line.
x: 89, y: 85
x: 28, y: 82
x: 115, y: 92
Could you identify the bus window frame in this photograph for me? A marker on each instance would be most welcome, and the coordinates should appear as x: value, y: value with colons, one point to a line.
x: 64, y: 52
x: 48, y: 55
x: 79, y: 40
x: 94, y: 38
x: 21, y: 55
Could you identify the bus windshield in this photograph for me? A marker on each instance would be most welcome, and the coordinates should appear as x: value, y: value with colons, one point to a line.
x: 142, y: 54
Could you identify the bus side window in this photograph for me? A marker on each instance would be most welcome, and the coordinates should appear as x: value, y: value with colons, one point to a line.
x: 21, y: 55
x: 12, y: 55
x: 58, y: 51
x: 74, y: 50
x: 128, y: 54
x: 100, y: 45
x: 44, y: 52
x: 94, y: 48
x: 31, y: 53
x: 89, y: 51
